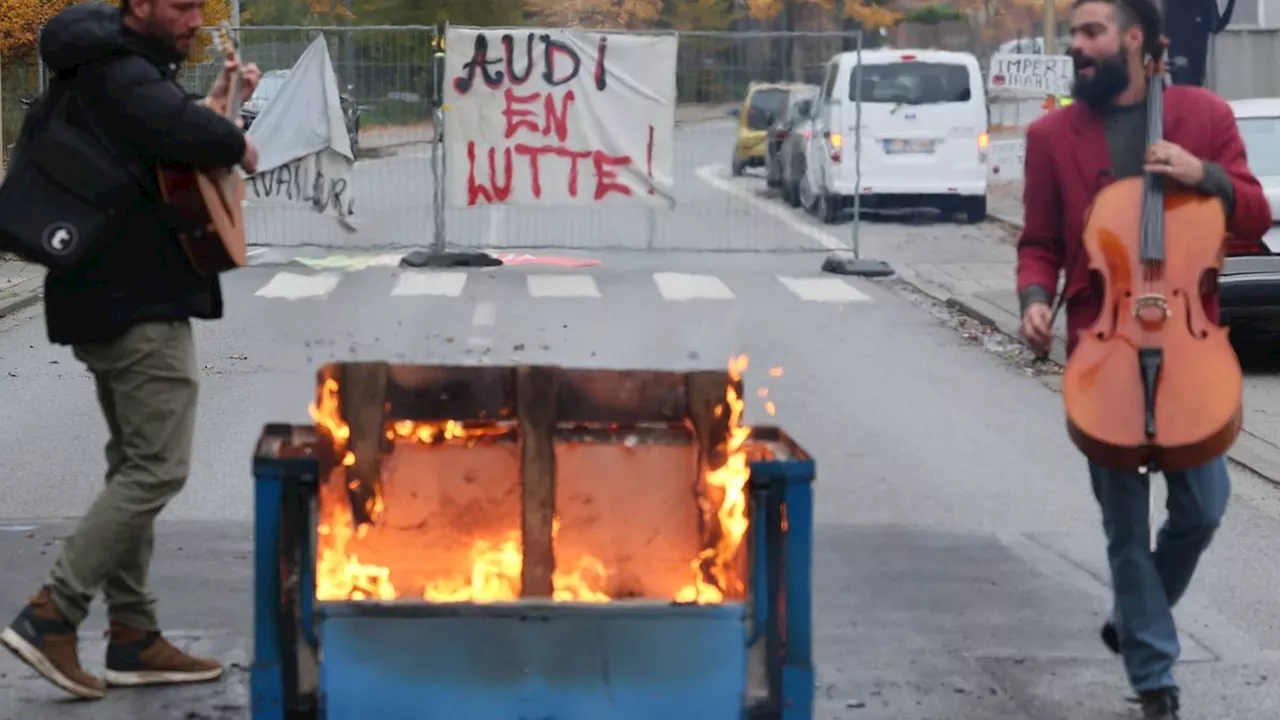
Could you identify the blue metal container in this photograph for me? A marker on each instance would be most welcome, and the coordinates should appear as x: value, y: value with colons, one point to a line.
x: 530, y: 660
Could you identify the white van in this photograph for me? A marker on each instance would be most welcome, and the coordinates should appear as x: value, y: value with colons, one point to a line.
x: 924, y: 134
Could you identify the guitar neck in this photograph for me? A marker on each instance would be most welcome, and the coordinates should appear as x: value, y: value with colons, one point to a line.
x: 234, y: 101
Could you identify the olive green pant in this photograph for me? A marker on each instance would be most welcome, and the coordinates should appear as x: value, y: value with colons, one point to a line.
x: 147, y: 386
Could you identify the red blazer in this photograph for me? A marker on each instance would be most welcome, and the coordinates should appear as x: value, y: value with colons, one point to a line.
x: 1068, y: 162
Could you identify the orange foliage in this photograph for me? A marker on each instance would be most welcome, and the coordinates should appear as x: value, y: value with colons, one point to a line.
x: 603, y: 14
x: 869, y: 14
x: 20, y: 22
x: 215, y: 11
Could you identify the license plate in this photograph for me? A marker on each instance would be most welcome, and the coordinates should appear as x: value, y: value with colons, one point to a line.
x: 894, y: 147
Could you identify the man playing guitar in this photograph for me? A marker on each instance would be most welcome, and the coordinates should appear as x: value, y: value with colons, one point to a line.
x: 126, y: 314
x: 1071, y: 154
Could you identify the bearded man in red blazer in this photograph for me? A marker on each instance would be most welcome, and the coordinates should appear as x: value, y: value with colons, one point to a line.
x: 1071, y: 154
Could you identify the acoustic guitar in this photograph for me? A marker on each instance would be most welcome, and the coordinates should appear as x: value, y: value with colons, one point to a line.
x: 210, y: 200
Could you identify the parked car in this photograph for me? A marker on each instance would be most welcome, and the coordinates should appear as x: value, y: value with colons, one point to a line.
x: 790, y: 159
x: 1250, y: 279
x: 765, y: 102
x: 781, y: 127
x: 268, y: 86
x: 924, y: 133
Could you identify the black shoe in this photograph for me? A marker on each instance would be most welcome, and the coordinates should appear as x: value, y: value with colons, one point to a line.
x: 1110, y: 637
x: 1159, y: 704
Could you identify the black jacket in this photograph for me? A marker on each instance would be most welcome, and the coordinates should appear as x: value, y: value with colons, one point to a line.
x: 131, y: 96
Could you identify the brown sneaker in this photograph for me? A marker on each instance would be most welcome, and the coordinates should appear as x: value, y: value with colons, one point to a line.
x: 43, y: 639
x: 137, y: 657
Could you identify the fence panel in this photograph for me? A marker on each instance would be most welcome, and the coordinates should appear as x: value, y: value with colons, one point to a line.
x: 1242, y: 63
x: 714, y: 70
x: 388, y: 71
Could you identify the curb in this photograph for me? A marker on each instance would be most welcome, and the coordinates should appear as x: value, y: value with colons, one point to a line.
x: 1249, y: 451
x: 18, y: 304
x: 25, y: 293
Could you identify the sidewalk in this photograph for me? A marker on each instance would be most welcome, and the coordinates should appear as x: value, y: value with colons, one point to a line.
x: 984, y: 288
x: 21, y: 285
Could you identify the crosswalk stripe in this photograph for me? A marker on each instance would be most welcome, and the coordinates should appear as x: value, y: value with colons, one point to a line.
x: 420, y: 282
x: 683, y: 286
x: 563, y: 286
x: 671, y: 286
x: 293, y: 286
x: 824, y: 290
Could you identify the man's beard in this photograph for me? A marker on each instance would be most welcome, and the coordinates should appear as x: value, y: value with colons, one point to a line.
x: 1110, y: 78
x: 174, y: 42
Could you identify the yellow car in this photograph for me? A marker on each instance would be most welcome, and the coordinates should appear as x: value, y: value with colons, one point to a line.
x: 765, y: 104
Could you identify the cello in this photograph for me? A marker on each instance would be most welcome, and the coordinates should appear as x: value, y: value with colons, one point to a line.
x: 1153, y: 383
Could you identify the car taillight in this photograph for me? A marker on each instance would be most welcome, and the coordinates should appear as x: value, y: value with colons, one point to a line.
x: 780, y: 133
x: 837, y: 144
x: 807, y: 133
x: 983, y: 141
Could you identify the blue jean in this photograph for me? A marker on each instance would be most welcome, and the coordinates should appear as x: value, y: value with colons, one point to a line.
x: 1148, y: 584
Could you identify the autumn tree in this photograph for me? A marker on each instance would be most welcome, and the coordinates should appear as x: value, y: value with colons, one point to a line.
x: 20, y: 22
x: 1000, y: 20
x: 869, y: 14
x: 604, y: 14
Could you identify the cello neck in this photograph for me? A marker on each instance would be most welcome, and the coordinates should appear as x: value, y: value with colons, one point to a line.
x: 1152, y: 244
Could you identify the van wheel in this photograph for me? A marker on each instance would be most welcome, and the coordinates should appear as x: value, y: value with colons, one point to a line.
x: 792, y: 194
x: 975, y: 209
x: 737, y: 167
x: 827, y: 208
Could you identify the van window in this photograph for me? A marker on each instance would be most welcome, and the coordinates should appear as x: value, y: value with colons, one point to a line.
x: 763, y: 104
x: 912, y: 83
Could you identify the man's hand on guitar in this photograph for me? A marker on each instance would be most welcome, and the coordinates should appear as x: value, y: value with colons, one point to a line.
x: 250, y: 160
x: 1036, y: 327
x: 249, y: 76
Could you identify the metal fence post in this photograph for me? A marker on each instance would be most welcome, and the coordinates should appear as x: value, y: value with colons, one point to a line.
x: 437, y: 157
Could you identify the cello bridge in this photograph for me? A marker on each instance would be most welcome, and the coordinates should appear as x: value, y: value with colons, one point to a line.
x: 1152, y: 307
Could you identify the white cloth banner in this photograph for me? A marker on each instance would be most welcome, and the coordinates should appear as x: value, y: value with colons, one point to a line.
x: 304, y: 153
x: 558, y: 117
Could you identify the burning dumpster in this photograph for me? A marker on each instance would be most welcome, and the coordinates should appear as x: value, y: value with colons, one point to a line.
x: 530, y: 542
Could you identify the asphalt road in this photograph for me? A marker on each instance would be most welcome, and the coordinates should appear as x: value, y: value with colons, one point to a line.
x: 959, y: 568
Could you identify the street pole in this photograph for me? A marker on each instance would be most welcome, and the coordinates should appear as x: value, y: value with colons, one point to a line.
x: 235, y: 14
x: 841, y: 262
x: 1050, y: 28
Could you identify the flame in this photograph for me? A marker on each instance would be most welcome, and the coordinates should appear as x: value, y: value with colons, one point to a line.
x: 496, y: 563
x: 496, y: 572
x: 714, y: 573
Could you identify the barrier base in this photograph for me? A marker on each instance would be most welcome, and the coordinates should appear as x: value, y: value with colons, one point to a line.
x: 428, y: 259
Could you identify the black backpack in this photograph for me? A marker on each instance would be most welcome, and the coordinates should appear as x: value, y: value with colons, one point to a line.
x: 64, y: 191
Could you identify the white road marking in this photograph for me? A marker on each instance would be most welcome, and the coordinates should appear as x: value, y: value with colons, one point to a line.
x: 292, y: 286
x: 563, y: 286
x: 824, y: 290
x: 429, y: 282
x: 479, y: 342
x: 682, y: 286
x: 713, y: 176
x: 486, y: 313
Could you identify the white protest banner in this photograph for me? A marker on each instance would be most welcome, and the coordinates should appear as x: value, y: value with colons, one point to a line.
x: 1048, y: 74
x: 304, y: 152
x: 558, y: 117
x: 1006, y: 160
